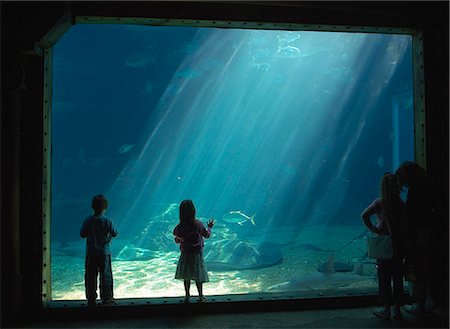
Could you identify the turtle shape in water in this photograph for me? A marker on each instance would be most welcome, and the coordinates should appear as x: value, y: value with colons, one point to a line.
x: 235, y: 255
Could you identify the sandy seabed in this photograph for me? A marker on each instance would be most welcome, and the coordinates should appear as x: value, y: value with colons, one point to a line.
x: 155, y: 277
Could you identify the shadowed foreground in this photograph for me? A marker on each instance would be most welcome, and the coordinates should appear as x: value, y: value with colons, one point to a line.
x: 336, y: 318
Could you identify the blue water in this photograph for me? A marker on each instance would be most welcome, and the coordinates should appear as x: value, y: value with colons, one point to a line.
x: 295, y: 128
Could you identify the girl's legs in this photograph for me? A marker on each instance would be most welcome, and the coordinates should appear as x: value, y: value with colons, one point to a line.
x: 200, y: 291
x: 384, y: 288
x: 187, y: 287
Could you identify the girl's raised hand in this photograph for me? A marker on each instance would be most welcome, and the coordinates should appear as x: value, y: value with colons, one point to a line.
x: 211, y: 222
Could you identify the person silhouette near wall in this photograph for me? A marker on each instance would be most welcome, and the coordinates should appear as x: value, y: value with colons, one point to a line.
x: 422, y: 225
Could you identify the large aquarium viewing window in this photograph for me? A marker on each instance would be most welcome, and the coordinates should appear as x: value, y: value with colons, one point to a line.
x: 281, y: 136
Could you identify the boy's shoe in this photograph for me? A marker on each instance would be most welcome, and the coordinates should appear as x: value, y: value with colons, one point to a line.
x: 382, y: 313
x: 91, y: 303
x: 416, y: 310
x: 110, y: 301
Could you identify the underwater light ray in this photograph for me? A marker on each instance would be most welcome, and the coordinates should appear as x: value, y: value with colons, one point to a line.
x: 199, y: 102
x: 348, y: 91
x: 143, y: 188
x: 226, y: 65
x: 335, y: 187
x: 203, y: 94
x: 357, y: 133
x: 318, y: 155
x: 276, y: 185
x: 211, y: 172
x: 356, y: 136
x: 168, y: 111
x: 287, y: 145
x: 169, y: 95
x: 170, y: 107
x: 130, y: 169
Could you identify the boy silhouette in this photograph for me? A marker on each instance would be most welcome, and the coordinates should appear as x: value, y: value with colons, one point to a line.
x: 98, y: 231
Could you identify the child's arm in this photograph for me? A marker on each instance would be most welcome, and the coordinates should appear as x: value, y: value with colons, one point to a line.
x: 366, y: 214
x: 114, y: 232
x: 83, y: 230
x: 178, y: 239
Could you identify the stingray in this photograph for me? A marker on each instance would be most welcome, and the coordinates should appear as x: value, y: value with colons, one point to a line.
x: 235, y: 255
x: 320, y: 281
x: 133, y: 253
x: 123, y: 250
x: 337, y: 267
x: 326, y: 279
x: 331, y: 266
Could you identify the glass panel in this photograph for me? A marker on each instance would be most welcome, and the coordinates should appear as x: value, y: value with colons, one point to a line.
x: 280, y: 136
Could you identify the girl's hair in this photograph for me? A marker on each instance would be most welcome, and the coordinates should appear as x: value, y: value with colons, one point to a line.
x: 187, y: 213
x: 390, y: 194
x: 99, y: 203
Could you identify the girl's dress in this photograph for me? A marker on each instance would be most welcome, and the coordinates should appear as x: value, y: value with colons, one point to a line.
x: 191, y: 265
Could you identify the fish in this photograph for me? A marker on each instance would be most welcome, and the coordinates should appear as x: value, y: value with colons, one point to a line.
x: 133, y: 253
x: 125, y: 148
x: 289, y: 52
x: 238, y: 217
x: 328, y: 279
x: 122, y: 250
x: 319, y: 281
x: 95, y: 162
x: 336, y: 267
